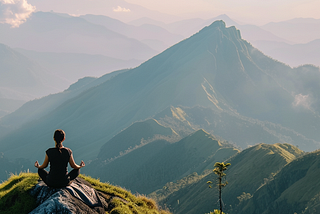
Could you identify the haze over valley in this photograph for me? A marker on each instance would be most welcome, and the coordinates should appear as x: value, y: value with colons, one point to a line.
x: 150, y: 100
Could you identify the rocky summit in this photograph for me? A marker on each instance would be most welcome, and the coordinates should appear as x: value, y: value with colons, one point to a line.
x: 61, y: 200
x: 24, y: 193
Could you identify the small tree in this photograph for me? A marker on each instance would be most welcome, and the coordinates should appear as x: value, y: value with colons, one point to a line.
x: 219, y: 170
x: 215, y: 212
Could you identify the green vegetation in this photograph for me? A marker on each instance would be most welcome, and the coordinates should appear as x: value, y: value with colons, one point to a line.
x: 251, y: 169
x: 295, y: 189
x: 135, y: 204
x: 133, y: 137
x: 172, y: 187
x: 152, y: 165
x: 216, y: 212
x: 219, y: 170
x: 242, y: 101
x: 213, y: 69
x: 14, y: 197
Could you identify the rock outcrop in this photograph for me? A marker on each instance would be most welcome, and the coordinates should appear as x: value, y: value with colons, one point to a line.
x: 61, y: 200
x: 24, y: 193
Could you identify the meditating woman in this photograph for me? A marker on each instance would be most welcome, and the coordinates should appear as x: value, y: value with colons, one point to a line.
x: 58, y: 157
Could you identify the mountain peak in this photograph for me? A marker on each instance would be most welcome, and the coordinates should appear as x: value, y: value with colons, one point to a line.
x: 221, y: 26
x: 219, y: 23
x: 201, y: 132
x: 201, y: 138
x: 133, y: 136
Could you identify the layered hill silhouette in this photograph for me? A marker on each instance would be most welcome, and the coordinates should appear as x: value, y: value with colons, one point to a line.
x: 53, y: 32
x: 294, y: 29
x: 138, y: 134
x: 74, y: 66
x: 214, y: 68
x: 294, y: 55
x: 9, y: 105
x: 154, y: 36
x: 250, y: 171
x: 230, y: 126
x: 154, y: 156
x: 38, y: 108
x: 24, y: 79
x: 284, y: 41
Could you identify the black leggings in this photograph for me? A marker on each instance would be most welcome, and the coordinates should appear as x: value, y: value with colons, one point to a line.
x: 58, y: 184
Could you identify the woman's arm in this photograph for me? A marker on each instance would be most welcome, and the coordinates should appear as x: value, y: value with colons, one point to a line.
x: 74, y: 165
x: 45, y: 163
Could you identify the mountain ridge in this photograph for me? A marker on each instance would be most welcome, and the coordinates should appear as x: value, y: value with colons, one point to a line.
x: 196, y: 71
x: 162, y: 161
x: 53, y: 32
x: 24, y: 77
x: 249, y: 169
x: 294, y: 188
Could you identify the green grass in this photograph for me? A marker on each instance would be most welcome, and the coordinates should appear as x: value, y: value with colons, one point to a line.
x: 133, y: 203
x: 172, y: 187
x: 14, y: 196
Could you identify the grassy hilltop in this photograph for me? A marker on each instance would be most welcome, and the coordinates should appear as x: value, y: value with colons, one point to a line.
x: 250, y: 175
x: 14, y: 196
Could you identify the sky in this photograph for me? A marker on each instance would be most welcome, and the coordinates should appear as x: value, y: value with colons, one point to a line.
x: 257, y: 12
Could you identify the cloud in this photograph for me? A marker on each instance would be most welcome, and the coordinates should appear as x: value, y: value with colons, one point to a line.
x: 302, y: 100
x: 15, y: 12
x: 121, y: 9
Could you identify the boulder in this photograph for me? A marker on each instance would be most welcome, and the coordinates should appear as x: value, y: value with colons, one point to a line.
x: 71, y: 199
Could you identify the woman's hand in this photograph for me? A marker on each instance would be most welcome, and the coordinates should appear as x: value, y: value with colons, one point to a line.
x: 36, y: 164
x: 74, y: 165
x: 82, y: 164
x: 44, y: 165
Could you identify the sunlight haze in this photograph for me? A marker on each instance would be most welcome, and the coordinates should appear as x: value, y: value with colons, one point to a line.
x: 253, y: 11
x: 250, y: 11
x: 159, y: 97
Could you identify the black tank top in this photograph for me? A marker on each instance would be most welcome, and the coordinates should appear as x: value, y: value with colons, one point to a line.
x: 58, y: 166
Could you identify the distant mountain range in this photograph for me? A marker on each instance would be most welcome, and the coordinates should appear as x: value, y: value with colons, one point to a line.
x: 162, y: 159
x: 214, y: 69
x: 159, y: 128
x: 294, y: 55
x: 22, y: 79
x: 27, y: 75
x: 115, y: 9
x: 8, y: 106
x: 70, y: 47
x: 295, y: 30
x: 145, y: 37
x: 52, y: 32
x: 36, y: 109
x: 74, y: 66
x: 287, y: 41
x: 154, y: 36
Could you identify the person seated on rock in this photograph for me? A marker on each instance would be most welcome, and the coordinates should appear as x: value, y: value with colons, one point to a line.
x: 58, y: 157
